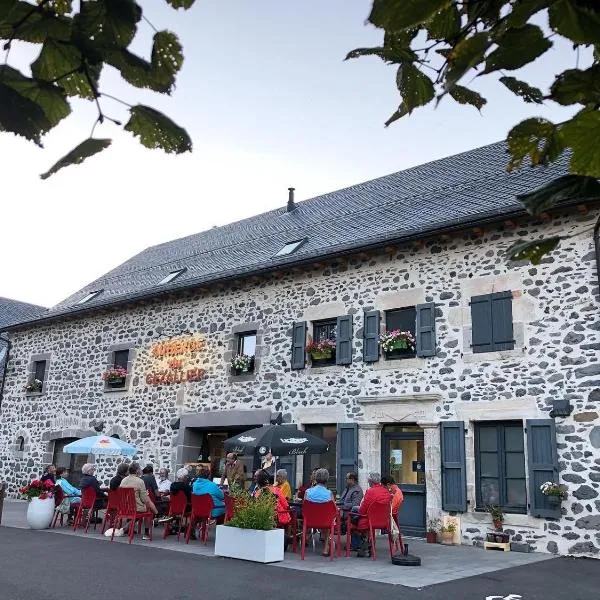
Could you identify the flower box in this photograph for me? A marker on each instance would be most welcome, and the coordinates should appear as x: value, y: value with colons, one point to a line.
x: 554, y: 500
x: 249, y: 544
x: 116, y: 383
x: 316, y: 355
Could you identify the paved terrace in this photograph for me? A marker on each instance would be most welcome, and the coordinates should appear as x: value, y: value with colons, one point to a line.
x: 439, y: 563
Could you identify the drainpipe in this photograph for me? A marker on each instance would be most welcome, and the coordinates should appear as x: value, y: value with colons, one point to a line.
x: 4, y: 367
x: 597, y: 247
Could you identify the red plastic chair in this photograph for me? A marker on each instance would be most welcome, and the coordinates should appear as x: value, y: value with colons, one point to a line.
x: 293, y: 528
x: 202, y: 506
x: 378, y: 516
x: 128, y: 510
x: 177, y: 509
x: 88, y: 501
x: 321, y: 515
x: 229, y: 507
x: 112, y: 510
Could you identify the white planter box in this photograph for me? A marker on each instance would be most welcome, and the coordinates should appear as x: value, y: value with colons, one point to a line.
x: 250, y: 544
x: 40, y: 513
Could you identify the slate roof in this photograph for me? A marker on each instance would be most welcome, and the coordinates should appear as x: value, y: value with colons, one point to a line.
x: 13, y: 311
x: 467, y: 189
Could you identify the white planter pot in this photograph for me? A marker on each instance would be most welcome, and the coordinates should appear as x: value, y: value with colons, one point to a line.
x: 250, y: 544
x: 40, y: 513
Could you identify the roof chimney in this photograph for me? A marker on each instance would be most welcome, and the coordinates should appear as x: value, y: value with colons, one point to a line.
x: 290, y: 205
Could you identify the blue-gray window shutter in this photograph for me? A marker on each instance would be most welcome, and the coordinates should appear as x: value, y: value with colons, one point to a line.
x: 298, y: 345
x: 347, y: 452
x: 542, y: 461
x: 425, y: 332
x: 502, y: 321
x: 371, y: 321
x: 343, y: 341
x: 454, y: 482
x: 481, y: 320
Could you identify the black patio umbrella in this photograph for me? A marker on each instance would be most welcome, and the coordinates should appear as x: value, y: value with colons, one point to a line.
x: 281, y: 440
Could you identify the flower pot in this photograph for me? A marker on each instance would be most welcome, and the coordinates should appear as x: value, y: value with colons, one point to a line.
x: 432, y: 537
x: 321, y: 355
x: 498, y: 525
x: 116, y: 383
x: 40, y: 512
x: 554, y: 500
x: 447, y: 538
x: 249, y: 544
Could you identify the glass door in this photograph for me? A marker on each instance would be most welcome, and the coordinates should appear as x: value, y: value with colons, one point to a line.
x: 403, y: 458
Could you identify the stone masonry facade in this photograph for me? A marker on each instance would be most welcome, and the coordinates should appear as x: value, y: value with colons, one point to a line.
x: 556, y: 355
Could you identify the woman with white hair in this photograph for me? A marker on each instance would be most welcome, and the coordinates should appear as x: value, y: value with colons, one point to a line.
x: 88, y: 480
x: 182, y: 484
x: 281, y: 482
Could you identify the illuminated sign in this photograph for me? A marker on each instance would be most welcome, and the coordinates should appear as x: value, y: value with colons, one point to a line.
x: 173, y: 356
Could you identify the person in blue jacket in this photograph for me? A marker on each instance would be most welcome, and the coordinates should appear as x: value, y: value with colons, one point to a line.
x: 203, y: 485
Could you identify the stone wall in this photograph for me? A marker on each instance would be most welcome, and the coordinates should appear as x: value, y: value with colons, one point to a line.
x: 557, y: 330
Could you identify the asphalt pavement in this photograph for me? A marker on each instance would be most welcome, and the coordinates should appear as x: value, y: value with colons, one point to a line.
x: 55, y: 567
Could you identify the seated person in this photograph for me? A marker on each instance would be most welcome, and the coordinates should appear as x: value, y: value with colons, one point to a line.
x: 163, y: 482
x: 142, y: 501
x: 302, y: 489
x: 397, y: 496
x: 283, y: 508
x: 351, y: 496
x: 320, y: 494
x: 282, y: 483
x: 122, y: 472
x: 203, y: 485
x: 375, y: 493
x: 182, y: 483
x: 49, y: 474
x: 73, y: 493
x: 88, y: 479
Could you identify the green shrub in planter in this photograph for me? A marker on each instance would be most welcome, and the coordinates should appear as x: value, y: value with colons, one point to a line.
x: 254, y: 513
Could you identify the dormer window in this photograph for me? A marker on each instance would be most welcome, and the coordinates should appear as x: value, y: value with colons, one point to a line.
x: 89, y: 296
x: 171, y: 276
x: 291, y: 247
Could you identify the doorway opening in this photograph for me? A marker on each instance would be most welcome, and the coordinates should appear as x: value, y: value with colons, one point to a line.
x: 73, y: 462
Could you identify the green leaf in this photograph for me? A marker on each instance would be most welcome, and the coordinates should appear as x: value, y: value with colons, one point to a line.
x: 156, y: 130
x: 415, y: 87
x: 523, y: 11
x: 486, y: 10
x: 60, y: 7
x: 185, y: 4
x: 389, y: 55
x: 84, y: 150
x: 577, y: 87
x: 62, y: 63
x: 49, y: 97
x: 581, y: 134
x: 578, y: 20
x: 567, y: 187
x: 167, y: 58
x: 538, y: 139
x: 396, y: 15
x: 22, y: 116
x: 402, y: 111
x: 520, y: 88
x: 516, y: 48
x: 532, y: 251
x: 464, y: 95
x: 445, y: 24
x: 37, y: 27
x: 6, y: 6
x: 134, y: 69
x: 467, y: 53
x: 109, y: 23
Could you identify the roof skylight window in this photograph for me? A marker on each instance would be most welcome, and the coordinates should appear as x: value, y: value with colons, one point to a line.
x: 171, y: 276
x: 89, y: 296
x: 290, y: 247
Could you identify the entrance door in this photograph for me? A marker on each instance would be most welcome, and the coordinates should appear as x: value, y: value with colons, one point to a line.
x: 403, y: 458
x: 73, y: 462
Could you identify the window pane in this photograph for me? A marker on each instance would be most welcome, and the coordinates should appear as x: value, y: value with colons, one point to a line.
x: 488, y: 439
x: 404, y: 319
x: 40, y: 370
x: 121, y: 357
x: 248, y: 344
x: 490, y: 491
x: 488, y: 464
x: 516, y: 494
x: 324, y: 331
x: 513, y: 438
x: 515, y: 464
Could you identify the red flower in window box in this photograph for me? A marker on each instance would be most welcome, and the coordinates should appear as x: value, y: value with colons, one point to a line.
x: 115, y: 375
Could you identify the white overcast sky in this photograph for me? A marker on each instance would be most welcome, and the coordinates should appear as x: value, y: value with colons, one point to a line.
x: 268, y: 102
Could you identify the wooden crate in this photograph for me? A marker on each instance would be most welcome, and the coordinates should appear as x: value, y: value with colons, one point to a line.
x: 497, y: 546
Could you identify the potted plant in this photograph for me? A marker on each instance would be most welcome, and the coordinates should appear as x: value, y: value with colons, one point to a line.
x: 554, y: 492
x: 34, y: 386
x: 252, y: 533
x: 397, y: 340
x: 115, y: 377
x: 497, y: 516
x: 40, y: 495
x: 433, y: 527
x: 242, y: 363
x: 323, y: 350
x: 447, y: 534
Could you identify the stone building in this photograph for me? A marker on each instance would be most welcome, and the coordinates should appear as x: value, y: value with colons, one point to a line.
x: 499, y: 394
